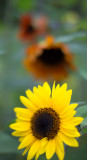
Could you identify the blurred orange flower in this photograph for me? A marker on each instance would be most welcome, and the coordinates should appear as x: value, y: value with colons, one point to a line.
x: 49, y: 60
x: 31, y: 27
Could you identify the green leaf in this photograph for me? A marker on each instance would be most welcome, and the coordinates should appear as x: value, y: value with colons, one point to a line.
x: 84, y: 123
x: 71, y: 37
x: 82, y: 111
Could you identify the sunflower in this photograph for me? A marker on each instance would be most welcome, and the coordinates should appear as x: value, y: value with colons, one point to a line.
x: 27, y: 29
x: 47, y: 122
x: 31, y: 27
x: 52, y: 61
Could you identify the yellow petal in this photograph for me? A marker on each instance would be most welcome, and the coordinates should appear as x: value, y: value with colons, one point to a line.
x: 58, y: 91
x: 22, y: 111
x: 20, y: 126
x: 68, y: 140
x: 43, y: 96
x: 40, y: 151
x: 66, y: 99
x: 26, y: 150
x: 50, y: 149
x: 72, y: 120
x: 33, y: 150
x: 34, y: 98
x: 68, y: 109
x: 18, y: 120
x: 20, y: 139
x: 19, y: 134
x: 63, y: 87
x: 68, y: 125
x: 23, y: 114
x: 61, y: 99
x: 73, y: 106
x: 44, y: 141
x: 67, y: 115
x: 26, y: 102
x: 27, y: 140
x: 70, y: 133
x: 53, y: 90
x: 37, y: 154
x: 47, y: 88
x: 59, y: 148
x: 77, y: 120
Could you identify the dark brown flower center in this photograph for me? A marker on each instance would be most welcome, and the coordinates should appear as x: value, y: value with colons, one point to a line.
x: 45, y: 123
x: 30, y: 29
x: 52, y: 56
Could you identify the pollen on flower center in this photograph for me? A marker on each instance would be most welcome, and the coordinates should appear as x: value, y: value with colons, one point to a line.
x: 45, y: 123
x: 52, y: 56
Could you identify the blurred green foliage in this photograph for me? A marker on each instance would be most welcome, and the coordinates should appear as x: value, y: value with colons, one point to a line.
x: 25, y: 5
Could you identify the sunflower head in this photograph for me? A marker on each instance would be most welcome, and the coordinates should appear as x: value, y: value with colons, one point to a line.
x: 53, y: 60
x: 31, y: 27
x: 27, y: 29
x: 47, y: 122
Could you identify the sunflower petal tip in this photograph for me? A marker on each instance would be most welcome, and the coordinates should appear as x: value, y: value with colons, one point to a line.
x: 12, y: 134
x: 27, y: 90
x: 77, y: 144
x: 21, y: 97
x: 65, y: 85
x: 15, y: 109
x: 19, y: 147
x: 54, y: 81
x: 71, y: 90
x: 45, y: 83
x: 58, y: 85
x: 76, y: 104
x: 11, y: 125
x: 82, y: 119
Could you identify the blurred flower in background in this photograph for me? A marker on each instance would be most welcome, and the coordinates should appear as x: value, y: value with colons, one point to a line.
x: 31, y: 27
x: 49, y: 60
x: 71, y: 20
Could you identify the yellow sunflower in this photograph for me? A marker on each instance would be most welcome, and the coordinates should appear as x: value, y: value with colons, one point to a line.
x: 47, y: 122
x: 49, y: 60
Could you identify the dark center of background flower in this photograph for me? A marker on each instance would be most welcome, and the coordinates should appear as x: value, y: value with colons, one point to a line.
x: 52, y: 56
x: 45, y: 123
x: 30, y: 29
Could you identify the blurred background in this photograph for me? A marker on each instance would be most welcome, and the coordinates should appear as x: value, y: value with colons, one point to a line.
x: 68, y: 24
